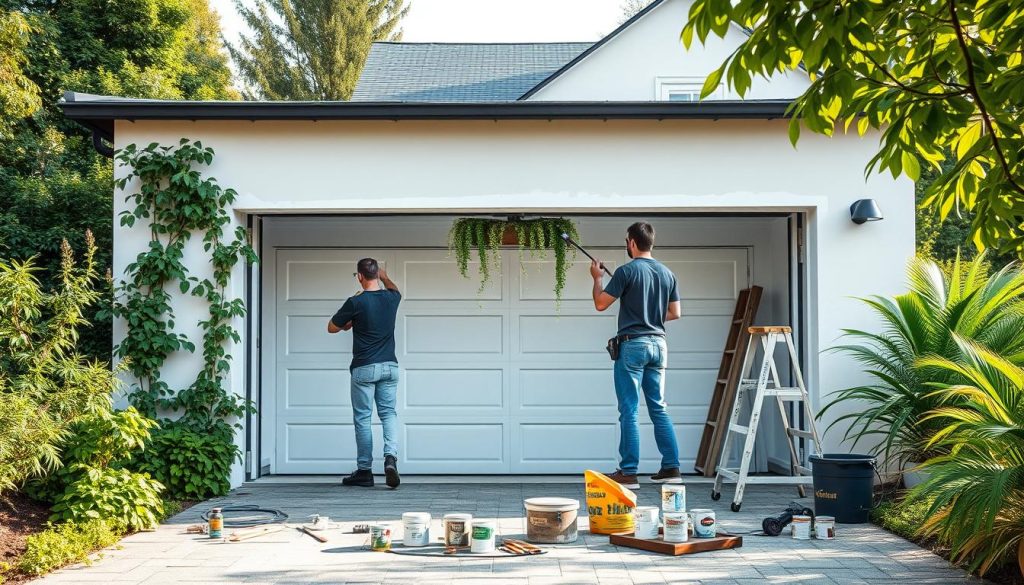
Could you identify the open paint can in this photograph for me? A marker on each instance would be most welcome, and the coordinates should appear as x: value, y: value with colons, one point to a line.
x: 416, y: 528
x: 646, y: 522
x: 483, y: 536
x: 677, y: 527
x: 801, y: 527
x: 673, y: 498
x: 825, y: 528
x: 380, y: 537
x: 457, y: 529
x: 551, y: 520
x: 704, y: 523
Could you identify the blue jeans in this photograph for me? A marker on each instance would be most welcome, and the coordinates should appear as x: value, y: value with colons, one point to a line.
x: 641, y: 367
x: 374, y: 383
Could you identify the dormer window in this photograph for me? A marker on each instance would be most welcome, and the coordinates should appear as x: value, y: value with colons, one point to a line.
x: 682, y: 89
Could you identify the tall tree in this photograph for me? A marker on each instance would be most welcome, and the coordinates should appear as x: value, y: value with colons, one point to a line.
x: 19, y: 96
x: 311, y: 49
x: 933, y: 76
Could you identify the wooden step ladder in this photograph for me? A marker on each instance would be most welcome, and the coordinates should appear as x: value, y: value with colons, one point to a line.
x: 768, y: 338
x: 729, y: 372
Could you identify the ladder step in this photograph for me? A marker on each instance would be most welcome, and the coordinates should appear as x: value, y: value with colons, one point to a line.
x: 785, y: 393
x: 712, y: 423
x: 800, y: 433
x: 739, y: 429
x: 721, y: 380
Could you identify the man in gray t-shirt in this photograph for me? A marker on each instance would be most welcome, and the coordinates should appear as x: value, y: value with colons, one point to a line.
x: 648, y: 295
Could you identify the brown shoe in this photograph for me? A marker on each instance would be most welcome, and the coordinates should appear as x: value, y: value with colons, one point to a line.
x: 667, y: 475
x: 626, y: 481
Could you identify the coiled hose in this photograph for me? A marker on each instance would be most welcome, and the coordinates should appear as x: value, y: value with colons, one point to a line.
x: 256, y: 516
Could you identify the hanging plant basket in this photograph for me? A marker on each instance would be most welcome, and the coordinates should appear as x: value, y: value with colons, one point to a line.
x: 486, y: 236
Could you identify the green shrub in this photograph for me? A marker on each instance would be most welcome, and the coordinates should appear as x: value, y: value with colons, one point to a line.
x: 191, y: 465
x: 127, y: 500
x: 62, y: 545
x: 925, y: 321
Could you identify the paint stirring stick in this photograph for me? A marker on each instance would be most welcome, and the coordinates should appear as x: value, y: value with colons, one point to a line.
x: 570, y: 241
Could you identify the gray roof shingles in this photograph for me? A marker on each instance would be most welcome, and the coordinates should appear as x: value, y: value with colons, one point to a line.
x: 459, y: 72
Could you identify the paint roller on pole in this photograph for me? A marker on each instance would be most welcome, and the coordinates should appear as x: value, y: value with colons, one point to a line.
x: 570, y: 241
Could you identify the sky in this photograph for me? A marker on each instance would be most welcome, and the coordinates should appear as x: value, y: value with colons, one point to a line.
x: 487, y: 20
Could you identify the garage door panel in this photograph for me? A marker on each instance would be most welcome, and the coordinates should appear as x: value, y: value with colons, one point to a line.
x: 698, y: 333
x: 708, y: 279
x: 568, y: 443
x: 315, y: 388
x: 475, y: 390
x: 440, y: 281
x: 545, y: 390
x: 454, y: 334
x: 550, y: 334
x: 307, y: 334
x: 321, y: 447
x: 455, y: 448
x: 536, y: 282
x: 319, y: 281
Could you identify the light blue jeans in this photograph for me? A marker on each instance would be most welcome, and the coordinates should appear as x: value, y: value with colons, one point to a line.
x: 641, y: 368
x: 374, y: 383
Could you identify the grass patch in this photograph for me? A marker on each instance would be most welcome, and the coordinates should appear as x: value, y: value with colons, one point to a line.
x: 901, y: 517
x: 64, y: 544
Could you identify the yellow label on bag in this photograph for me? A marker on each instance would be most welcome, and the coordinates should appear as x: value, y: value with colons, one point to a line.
x: 609, y: 505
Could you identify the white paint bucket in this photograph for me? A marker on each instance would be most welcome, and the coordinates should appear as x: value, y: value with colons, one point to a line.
x: 704, y: 523
x: 483, y: 536
x: 825, y: 528
x: 380, y: 537
x: 801, y: 527
x: 646, y: 522
x: 673, y: 498
x: 677, y: 527
x: 551, y: 520
x: 456, y: 529
x: 416, y: 529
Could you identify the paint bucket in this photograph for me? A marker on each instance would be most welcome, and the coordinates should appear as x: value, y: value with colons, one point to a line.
x: 609, y: 505
x: 380, y: 537
x: 677, y: 527
x: 704, y: 523
x: 843, y: 486
x: 456, y: 529
x: 416, y: 529
x: 825, y: 528
x: 483, y: 536
x: 673, y: 498
x: 646, y: 522
x: 801, y: 527
x: 551, y: 520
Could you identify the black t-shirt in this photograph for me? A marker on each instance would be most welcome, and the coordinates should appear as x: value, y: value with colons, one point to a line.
x: 644, y: 288
x: 373, y: 316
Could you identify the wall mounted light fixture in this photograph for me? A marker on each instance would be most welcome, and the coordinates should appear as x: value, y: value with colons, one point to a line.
x: 864, y: 210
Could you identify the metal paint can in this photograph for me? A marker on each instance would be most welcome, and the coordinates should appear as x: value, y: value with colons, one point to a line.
x: 825, y: 528
x: 483, y: 536
x: 673, y: 498
x: 457, y: 529
x: 704, y: 523
x: 677, y: 527
x: 380, y: 537
x: 216, y: 523
x: 646, y: 522
x: 801, y: 527
x: 416, y: 529
x: 552, y: 520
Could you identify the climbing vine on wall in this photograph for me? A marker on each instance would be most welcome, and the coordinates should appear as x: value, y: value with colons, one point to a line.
x: 179, y: 204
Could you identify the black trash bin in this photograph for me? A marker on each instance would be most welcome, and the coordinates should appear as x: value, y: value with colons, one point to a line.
x: 843, y: 486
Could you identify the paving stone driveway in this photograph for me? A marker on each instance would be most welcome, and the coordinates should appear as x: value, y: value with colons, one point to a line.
x: 860, y: 554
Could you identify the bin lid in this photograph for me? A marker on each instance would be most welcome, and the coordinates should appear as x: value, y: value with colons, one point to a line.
x: 843, y: 458
x: 552, y: 504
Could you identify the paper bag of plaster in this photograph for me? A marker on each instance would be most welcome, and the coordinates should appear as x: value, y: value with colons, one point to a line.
x: 609, y: 505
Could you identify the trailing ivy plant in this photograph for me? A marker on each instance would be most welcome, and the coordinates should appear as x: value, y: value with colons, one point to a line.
x: 484, y: 235
x: 179, y: 203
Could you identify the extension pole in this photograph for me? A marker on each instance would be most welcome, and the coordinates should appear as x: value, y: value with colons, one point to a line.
x: 570, y: 241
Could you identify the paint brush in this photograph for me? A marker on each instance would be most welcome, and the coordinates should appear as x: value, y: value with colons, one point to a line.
x: 570, y: 241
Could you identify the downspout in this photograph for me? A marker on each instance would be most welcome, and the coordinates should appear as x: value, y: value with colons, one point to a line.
x: 100, y: 143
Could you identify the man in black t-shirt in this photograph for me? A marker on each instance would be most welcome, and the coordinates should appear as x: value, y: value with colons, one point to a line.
x: 371, y: 316
x: 648, y: 295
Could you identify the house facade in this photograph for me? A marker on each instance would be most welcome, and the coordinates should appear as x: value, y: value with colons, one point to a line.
x: 502, y: 380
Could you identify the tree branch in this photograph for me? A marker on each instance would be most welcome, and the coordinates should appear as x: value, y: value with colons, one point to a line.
x: 972, y: 87
x: 906, y: 87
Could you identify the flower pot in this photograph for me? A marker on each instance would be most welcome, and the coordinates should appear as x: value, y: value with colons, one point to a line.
x: 912, y: 477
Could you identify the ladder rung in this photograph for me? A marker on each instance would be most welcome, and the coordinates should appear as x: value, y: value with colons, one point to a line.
x: 721, y: 380
x: 712, y: 423
x: 785, y: 392
x: 803, y: 470
x: 739, y: 429
x: 737, y: 321
x: 730, y: 351
x: 728, y: 474
x: 800, y: 433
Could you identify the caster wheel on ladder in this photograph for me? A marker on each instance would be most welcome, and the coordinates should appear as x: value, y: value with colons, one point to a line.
x: 716, y: 495
x: 735, y: 507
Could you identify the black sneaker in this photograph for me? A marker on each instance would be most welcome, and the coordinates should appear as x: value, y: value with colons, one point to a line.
x: 391, y: 471
x: 667, y: 475
x: 359, y: 478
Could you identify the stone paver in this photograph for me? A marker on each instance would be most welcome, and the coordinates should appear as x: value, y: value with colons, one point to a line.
x: 860, y: 554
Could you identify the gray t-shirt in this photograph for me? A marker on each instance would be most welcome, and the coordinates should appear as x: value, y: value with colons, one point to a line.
x: 644, y: 288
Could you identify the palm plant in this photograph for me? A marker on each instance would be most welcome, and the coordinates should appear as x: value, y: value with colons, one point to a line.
x: 976, y: 488
x: 925, y: 321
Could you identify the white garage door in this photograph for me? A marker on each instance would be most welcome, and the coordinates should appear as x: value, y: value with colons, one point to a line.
x: 496, y: 381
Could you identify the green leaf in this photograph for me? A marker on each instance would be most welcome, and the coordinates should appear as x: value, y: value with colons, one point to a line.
x: 712, y: 82
x: 911, y: 166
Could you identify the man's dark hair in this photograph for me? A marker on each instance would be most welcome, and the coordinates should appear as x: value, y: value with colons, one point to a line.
x: 368, y: 268
x: 642, y: 233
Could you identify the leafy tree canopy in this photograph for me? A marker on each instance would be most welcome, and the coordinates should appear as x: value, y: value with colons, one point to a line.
x: 935, y: 77
x: 19, y: 97
x: 311, y: 49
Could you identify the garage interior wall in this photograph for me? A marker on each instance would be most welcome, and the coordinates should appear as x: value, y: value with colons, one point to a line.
x: 495, y: 381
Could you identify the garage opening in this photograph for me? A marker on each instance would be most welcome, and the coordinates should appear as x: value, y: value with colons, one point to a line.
x: 498, y: 380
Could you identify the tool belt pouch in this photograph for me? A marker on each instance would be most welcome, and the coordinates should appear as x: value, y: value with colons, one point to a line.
x: 613, y: 348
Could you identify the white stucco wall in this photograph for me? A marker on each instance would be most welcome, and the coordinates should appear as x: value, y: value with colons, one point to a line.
x: 627, y: 66
x: 569, y: 166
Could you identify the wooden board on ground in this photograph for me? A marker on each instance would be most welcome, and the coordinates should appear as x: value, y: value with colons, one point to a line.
x: 694, y: 545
